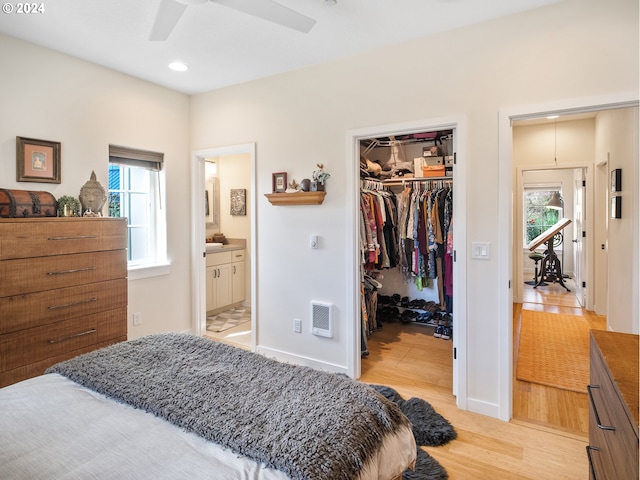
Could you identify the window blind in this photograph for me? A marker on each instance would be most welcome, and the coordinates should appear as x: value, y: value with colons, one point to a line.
x: 133, y: 157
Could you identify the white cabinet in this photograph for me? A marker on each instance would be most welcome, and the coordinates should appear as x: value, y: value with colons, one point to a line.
x: 237, y: 274
x: 225, y: 279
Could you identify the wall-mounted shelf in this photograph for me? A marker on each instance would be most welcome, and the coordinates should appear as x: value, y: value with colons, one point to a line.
x: 298, y: 198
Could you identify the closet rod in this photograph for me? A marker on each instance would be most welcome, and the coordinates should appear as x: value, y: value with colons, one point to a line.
x: 403, y: 182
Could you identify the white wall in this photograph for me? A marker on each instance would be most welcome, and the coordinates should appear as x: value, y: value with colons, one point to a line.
x: 300, y: 118
x: 87, y: 107
x: 617, y: 140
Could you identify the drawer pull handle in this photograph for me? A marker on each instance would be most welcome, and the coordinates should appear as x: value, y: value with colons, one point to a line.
x: 63, y: 339
x: 77, y: 237
x: 75, y: 270
x: 593, y: 470
x: 53, y: 307
x: 595, y: 410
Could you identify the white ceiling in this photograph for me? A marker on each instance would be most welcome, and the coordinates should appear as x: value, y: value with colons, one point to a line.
x: 223, y: 47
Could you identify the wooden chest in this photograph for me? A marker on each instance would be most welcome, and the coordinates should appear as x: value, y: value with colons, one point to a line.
x: 63, y: 291
x: 27, y: 203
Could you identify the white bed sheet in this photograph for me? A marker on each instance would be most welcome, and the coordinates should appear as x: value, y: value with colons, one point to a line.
x: 52, y: 428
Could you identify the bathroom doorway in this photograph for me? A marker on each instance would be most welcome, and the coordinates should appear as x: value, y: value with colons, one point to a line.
x: 231, y: 207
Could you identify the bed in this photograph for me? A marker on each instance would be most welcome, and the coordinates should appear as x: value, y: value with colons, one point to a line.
x: 171, y: 406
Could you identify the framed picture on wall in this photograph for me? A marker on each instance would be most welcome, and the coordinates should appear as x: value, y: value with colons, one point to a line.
x: 238, y: 201
x: 37, y: 160
x: 616, y: 207
x: 616, y: 180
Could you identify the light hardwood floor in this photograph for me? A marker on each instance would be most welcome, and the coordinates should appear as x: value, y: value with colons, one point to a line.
x: 545, y: 440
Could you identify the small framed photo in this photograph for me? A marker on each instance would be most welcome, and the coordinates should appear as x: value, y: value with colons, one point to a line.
x: 279, y: 182
x: 616, y: 180
x: 37, y: 160
x: 616, y: 207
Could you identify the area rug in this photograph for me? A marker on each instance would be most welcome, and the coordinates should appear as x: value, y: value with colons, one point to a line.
x: 229, y: 319
x: 430, y: 429
x: 554, y: 350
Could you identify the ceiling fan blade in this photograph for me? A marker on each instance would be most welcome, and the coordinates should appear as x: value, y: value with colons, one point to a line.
x: 169, y: 12
x: 273, y: 12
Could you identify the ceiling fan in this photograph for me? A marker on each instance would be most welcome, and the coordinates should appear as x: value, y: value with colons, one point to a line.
x: 170, y: 12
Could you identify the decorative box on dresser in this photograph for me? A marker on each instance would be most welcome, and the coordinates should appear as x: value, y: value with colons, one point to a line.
x: 63, y: 291
x: 613, y: 406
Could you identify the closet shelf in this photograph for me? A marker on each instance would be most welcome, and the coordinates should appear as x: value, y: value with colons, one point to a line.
x: 298, y: 198
x: 395, y: 182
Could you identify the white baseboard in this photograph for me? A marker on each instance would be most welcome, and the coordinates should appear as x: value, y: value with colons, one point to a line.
x: 483, y: 408
x: 300, y: 360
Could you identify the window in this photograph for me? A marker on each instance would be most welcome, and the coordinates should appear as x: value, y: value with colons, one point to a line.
x: 135, y: 193
x: 537, y: 216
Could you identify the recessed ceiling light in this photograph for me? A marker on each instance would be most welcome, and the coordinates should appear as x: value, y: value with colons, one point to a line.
x: 330, y: 2
x: 552, y: 117
x: 178, y: 67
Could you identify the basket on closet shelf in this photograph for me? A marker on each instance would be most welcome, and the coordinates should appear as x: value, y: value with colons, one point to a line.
x: 433, y: 170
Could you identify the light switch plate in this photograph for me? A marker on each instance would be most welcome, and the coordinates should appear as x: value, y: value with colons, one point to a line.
x: 481, y: 250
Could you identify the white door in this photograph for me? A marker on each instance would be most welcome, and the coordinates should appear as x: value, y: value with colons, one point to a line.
x: 578, y: 238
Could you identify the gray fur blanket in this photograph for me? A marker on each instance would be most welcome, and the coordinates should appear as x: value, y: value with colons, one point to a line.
x: 309, y: 424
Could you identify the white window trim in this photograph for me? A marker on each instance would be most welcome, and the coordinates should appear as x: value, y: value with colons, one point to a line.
x: 137, y: 272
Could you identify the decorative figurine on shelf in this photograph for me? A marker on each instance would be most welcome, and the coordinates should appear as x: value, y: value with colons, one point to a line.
x: 293, y: 187
x: 305, y: 185
x: 319, y: 177
x: 93, y: 196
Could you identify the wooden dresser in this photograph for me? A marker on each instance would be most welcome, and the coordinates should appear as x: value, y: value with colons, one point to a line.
x: 63, y: 291
x: 613, y: 406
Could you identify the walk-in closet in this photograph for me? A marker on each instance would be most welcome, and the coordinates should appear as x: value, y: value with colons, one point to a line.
x: 406, y: 236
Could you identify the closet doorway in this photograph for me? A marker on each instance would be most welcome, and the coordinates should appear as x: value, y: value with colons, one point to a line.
x: 398, y: 288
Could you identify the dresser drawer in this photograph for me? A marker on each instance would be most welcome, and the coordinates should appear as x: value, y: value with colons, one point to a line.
x: 31, y: 310
x: 58, y: 271
x: 59, y: 236
x: 38, y: 368
x: 39, y: 343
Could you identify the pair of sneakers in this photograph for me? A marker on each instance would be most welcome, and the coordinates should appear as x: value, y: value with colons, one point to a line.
x: 443, y: 331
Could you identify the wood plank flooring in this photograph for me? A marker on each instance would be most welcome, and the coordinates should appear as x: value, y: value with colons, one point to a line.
x: 545, y: 439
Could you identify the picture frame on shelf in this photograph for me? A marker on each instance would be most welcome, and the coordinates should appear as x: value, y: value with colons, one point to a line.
x: 279, y: 182
x: 37, y: 160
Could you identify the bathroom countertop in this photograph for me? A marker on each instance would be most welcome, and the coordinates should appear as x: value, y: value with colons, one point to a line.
x: 226, y: 247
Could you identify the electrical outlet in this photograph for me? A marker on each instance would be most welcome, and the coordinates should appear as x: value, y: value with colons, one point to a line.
x: 137, y: 318
x: 297, y: 325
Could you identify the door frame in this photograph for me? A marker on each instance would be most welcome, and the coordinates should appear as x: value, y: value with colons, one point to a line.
x: 198, y: 249
x: 505, y: 216
x: 458, y: 124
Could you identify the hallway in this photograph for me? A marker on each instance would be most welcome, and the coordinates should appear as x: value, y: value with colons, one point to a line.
x: 544, y: 406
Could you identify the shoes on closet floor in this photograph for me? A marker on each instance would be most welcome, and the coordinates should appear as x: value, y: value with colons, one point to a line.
x: 437, y: 332
x: 446, y: 333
